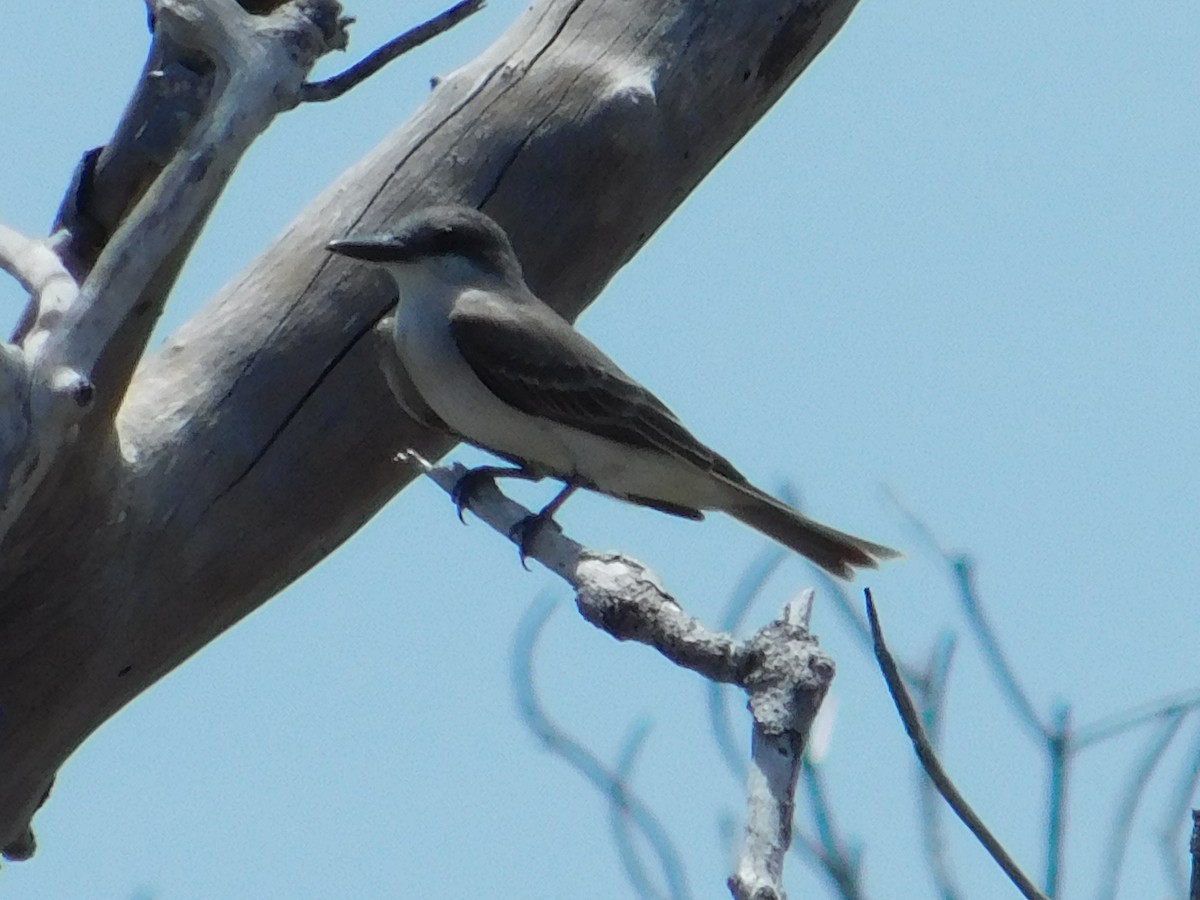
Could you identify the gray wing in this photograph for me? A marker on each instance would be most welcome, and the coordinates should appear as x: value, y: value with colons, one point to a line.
x: 534, y: 360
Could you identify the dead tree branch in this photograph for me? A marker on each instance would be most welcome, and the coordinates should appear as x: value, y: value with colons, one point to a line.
x: 781, y: 668
x: 339, y: 84
x: 205, y: 478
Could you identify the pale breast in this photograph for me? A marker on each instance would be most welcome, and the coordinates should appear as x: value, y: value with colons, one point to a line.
x: 452, y: 390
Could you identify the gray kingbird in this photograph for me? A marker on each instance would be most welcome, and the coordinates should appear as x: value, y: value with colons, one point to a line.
x: 507, y: 373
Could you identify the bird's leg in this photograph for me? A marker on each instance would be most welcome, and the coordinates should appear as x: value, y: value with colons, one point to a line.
x: 526, y: 531
x: 480, y: 475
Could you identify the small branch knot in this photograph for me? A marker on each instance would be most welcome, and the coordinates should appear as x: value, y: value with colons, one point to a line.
x: 786, y: 675
x: 75, y: 385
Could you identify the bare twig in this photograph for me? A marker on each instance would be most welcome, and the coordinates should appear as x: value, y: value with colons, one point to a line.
x: 932, y: 698
x: 1002, y: 670
x: 853, y: 619
x: 828, y: 854
x: 1061, y: 742
x: 1122, y: 820
x: 616, y: 594
x: 557, y: 741
x: 42, y: 395
x: 1194, y: 889
x: 839, y: 861
x: 1119, y: 723
x: 620, y: 819
x: 963, y: 574
x: 334, y: 87
x: 1060, y: 749
x: 70, y: 327
x: 933, y: 767
x: 781, y: 667
x: 1169, y: 832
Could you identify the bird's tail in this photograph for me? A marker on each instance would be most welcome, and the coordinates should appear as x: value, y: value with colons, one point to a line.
x: 832, y: 550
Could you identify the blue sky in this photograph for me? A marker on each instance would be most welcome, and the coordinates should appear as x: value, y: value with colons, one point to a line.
x: 957, y: 261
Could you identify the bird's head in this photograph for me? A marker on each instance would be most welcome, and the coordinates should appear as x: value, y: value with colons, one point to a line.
x: 450, y: 238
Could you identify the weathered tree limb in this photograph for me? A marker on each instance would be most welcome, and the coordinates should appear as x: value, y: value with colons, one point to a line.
x: 262, y: 435
x: 784, y: 672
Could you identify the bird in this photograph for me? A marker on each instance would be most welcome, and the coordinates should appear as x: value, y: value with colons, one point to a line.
x: 501, y: 369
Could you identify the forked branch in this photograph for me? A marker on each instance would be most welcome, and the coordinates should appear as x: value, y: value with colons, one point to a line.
x: 781, y: 668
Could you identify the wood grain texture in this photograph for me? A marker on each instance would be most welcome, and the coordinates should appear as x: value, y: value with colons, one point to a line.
x: 262, y: 435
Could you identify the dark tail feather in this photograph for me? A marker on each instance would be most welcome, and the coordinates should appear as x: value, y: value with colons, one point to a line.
x: 832, y: 550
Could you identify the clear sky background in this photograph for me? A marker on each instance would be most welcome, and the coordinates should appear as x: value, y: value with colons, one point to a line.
x: 958, y: 261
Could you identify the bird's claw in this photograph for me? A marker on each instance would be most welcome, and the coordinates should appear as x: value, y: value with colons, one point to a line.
x: 525, y: 532
x: 465, y: 488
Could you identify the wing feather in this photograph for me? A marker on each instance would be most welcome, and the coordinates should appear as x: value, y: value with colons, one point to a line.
x: 534, y: 360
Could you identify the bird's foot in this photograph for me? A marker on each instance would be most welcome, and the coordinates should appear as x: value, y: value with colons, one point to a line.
x: 526, y: 531
x: 466, y: 487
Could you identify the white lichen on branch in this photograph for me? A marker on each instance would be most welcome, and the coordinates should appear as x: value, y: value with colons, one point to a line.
x: 782, y: 669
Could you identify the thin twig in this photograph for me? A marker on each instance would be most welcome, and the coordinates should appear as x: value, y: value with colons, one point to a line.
x: 814, y: 786
x: 1194, y: 890
x: 557, y: 741
x: 1172, y: 823
x: 840, y: 860
x: 933, y: 767
x: 962, y: 572
x: 1110, y: 726
x: 1118, y: 840
x: 847, y: 610
x: 990, y: 645
x: 1060, y: 748
x: 858, y: 626
x: 334, y: 87
x: 619, y: 818
x: 937, y: 672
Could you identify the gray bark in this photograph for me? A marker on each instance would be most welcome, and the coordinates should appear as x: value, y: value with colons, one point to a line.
x: 199, y: 482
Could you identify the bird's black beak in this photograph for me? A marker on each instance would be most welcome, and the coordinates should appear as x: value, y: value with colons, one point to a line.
x: 375, y: 248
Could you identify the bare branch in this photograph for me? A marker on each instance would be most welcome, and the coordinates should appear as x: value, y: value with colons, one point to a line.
x: 932, y: 699
x: 777, y: 751
x: 1060, y: 750
x: 241, y: 398
x: 50, y: 381
x: 1119, y: 723
x: 748, y: 588
x: 258, y: 75
x: 932, y: 765
x: 620, y: 819
x: 1169, y: 833
x: 780, y: 667
x: 332, y: 88
x: 1122, y: 820
x: 36, y: 265
x: 613, y: 784
x: 827, y: 854
x: 42, y: 398
x: 962, y: 572
x: 1194, y: 889
x: 841, y: 863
